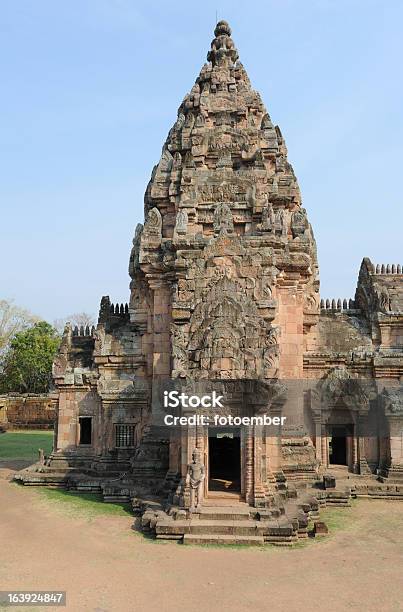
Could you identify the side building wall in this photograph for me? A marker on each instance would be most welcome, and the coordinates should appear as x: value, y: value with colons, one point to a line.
x: 28, y: 411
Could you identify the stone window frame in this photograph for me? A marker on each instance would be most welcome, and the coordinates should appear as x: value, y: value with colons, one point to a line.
x: 125, y: 432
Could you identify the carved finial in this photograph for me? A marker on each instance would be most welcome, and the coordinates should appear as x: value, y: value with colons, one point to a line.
x: 222, y: 47
x: 222, y: 29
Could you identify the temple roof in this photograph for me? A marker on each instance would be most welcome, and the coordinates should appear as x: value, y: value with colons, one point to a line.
x: 223, y: 145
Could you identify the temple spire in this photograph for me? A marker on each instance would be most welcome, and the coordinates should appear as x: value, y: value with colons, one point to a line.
x: 223, y: 49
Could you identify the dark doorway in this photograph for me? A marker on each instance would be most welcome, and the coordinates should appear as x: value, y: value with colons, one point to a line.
x: 225, y: 462
x: 338, y: 446
x: 85, y: 430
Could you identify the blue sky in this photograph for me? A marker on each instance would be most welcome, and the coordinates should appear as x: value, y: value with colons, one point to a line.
x: 90, y: 89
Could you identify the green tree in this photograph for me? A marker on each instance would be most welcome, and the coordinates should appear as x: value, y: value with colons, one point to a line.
x: 13, y: 319
x: 27, y: 366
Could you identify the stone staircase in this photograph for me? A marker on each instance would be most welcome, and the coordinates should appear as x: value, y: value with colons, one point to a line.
x: 217, y: 522
x: 215, y: 525
x: 392, y: 475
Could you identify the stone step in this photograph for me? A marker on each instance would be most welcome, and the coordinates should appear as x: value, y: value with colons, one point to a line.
x: 221, y: 498
x: 281, y: 540
x: 205, y: 527
x: 248, y: 540
x: 230, y: 527
x: 219, y: 513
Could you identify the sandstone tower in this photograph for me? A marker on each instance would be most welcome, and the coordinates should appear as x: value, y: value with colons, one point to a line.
x: 225, y: 291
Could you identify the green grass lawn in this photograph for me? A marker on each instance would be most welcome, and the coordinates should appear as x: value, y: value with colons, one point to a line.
x: 23, y: 445
x: 87, y: 504
x: 338, y: 518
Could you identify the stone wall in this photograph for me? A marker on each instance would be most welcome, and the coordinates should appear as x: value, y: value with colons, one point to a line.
x: 27, y: 411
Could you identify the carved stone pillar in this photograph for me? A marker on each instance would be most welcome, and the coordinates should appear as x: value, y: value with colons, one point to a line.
x: 161, y: 325
x: 206, y: 459
x: 182, y: 496
x: 174, y: 469
x: 258, y: 490
x: 356, y: 453
x: 318, y: 441
x: 273, y: 445
x: 200, y: 438
x: 249, y: 465
x: 396, y: 442
x: 362, y: 459
x: 191, y: 443
x: 325, y: 447
x: 200, y: 444
x: 243, y: 461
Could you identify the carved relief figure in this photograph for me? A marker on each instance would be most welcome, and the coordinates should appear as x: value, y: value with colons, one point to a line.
x: 281, y: 221
x: 299, y: 223
x: 196, y: 474
x: 268, y: 218
x: 177, y: 162
x: 179, y: 351
x: 223, y: 221
x: 135, y: 252
x: 271, y: 353
x: 181, y: 224
x: 384, y: 301
x: 153, y: 224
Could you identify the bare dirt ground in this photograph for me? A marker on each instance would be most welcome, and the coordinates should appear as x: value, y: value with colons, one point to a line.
x: 105, y: 566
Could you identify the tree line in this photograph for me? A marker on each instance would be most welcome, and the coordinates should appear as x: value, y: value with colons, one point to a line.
x: 28, y: 346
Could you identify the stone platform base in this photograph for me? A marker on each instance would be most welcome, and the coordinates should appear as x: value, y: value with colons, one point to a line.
x: 239, y: 523
x: 219, y: 520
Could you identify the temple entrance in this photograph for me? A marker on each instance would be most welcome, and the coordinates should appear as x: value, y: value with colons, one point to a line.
x: 338, y: 445
x: 224, y: 462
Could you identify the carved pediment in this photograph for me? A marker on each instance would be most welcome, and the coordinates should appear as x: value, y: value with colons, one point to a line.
x: 340, y: 387
x: 228, y: 337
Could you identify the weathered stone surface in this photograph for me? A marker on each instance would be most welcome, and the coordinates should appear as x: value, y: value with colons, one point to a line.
x: 27, y: 411
x: 225, y: 289
x: 329, y: 481
x: 320, y: 528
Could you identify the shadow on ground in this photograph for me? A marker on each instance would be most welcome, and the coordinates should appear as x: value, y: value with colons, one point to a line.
x: 15, y: 464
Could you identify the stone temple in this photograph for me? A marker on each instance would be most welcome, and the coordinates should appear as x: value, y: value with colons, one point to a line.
x: 224, y: 296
